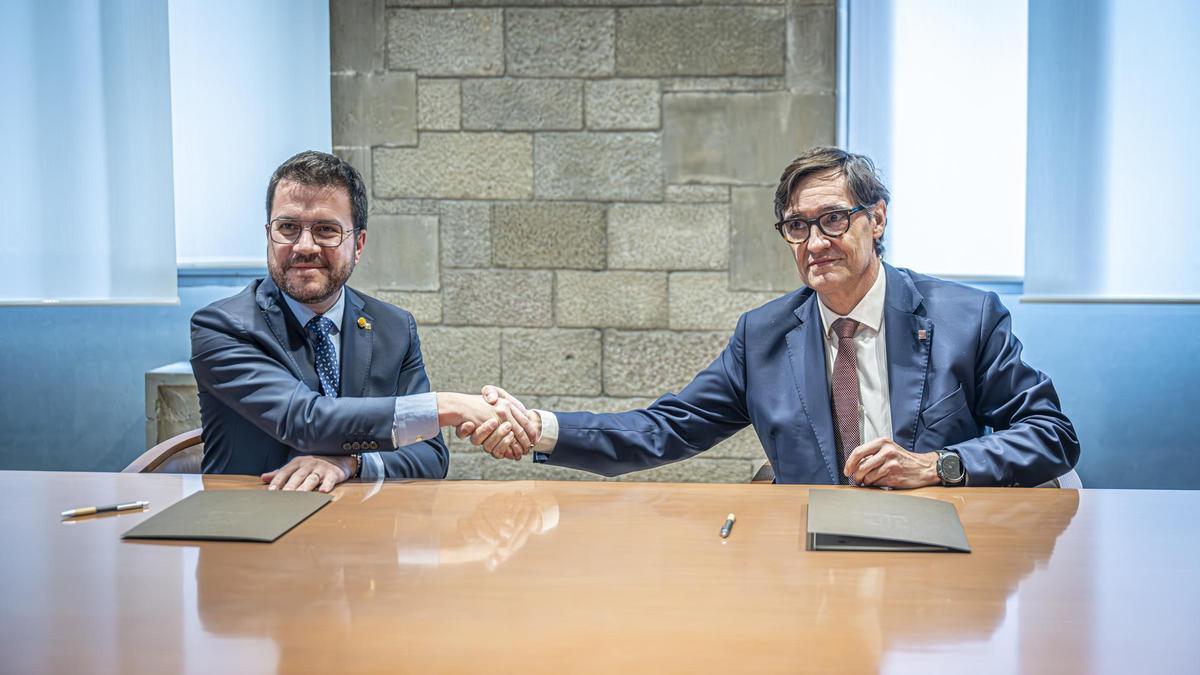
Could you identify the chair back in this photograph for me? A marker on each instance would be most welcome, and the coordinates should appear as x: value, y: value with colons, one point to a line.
x: 765, y: 474
x: 1069, y: 480
x: 178, y: 454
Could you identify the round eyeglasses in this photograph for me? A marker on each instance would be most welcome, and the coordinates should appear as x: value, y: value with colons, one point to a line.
x: 325, y: 233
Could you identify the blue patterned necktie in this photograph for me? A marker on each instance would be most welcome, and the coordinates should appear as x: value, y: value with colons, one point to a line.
x: 319, y: 329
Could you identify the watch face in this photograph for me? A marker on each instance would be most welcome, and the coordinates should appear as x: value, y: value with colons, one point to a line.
x: 950, y: 466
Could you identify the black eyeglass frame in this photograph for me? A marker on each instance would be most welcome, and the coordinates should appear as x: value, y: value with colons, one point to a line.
x: 816, y: 222
x: 308, y: 225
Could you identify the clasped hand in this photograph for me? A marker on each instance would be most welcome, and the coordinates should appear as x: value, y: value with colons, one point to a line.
x: 502, y: 426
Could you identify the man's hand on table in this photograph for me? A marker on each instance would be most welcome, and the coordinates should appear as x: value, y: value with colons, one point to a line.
x: 883, y: 463
x: 310, y: 472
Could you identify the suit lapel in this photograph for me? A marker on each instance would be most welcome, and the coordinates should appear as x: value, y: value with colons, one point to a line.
x: 806, y: 351
x: 357, y: 339
x: 909, y: 338
x: 293, y: 343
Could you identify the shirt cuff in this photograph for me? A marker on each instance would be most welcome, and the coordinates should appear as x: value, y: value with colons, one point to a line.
x: 372, y: 466
x: 415, y: 419
x: 549, y: 437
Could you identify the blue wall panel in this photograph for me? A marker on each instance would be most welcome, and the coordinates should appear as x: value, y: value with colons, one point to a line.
x: 74, y: 381
x: 74, y: 378
x: 1127, y: 375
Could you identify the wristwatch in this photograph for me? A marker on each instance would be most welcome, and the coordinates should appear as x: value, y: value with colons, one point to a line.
x: 357, y: 466
x: 950, y: 469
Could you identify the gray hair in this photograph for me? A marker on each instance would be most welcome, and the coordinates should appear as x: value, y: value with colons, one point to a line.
x: 865, y: 185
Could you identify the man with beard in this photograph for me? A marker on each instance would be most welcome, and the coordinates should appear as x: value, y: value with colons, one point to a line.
x: 308, y: 382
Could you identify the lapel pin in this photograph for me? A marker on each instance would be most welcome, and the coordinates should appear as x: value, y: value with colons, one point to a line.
x: 366, y: 325
x: 921, y: 334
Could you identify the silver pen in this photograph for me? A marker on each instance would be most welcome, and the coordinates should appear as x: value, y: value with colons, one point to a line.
x: 89, y: 510
x: 728, y: 526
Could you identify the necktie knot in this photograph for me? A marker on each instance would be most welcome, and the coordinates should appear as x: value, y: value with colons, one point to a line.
x: 319, y: 326
x: 845, y: 328
x: 319, y: 329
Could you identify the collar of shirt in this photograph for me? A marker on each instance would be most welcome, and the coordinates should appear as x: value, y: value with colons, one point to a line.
x: 303, y: 314
x: 868, y: 311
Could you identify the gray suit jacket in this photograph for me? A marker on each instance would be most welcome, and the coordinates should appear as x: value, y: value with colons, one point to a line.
x: 259, y: 394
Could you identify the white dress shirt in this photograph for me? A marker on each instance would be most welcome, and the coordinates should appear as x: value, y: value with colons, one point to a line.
x: 875, y: 415
x: 870, y: 351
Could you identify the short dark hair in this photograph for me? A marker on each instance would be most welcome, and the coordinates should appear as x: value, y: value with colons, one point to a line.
x: 320, y: 169
x: 865, y: 185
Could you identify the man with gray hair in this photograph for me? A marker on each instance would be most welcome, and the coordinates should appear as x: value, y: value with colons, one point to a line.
x: 868, y: 374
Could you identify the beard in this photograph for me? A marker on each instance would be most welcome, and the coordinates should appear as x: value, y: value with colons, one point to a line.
x: 312, y: 291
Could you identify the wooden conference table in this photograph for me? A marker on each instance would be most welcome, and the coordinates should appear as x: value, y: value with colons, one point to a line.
x: 542, y: 577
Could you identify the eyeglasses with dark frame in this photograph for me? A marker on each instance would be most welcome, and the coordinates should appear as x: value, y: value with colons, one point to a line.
x: 832, y: 224
x: 325, y: 233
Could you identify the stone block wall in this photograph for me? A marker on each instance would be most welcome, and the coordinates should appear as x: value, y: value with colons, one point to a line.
x: 573, y: 197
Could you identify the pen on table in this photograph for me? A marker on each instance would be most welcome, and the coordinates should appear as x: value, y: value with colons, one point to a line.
x: 89, y: 510
x: 727, y: 526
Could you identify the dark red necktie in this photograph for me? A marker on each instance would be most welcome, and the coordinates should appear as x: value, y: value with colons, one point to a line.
x: 846, y: 400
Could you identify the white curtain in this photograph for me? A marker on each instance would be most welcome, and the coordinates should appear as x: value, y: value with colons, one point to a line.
x: 249, y: 88
x: 936, y: 95
x: 1113, y: 148
x: 86, y: 201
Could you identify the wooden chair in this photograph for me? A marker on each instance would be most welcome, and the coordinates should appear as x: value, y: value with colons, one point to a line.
x: 178, y: 454
x: 765, y: 474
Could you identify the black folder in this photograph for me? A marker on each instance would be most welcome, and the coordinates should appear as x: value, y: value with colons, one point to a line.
x: 872, y: 520
x: 231, y: 515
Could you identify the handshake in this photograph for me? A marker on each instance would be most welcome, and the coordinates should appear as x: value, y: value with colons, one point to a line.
x: 495, y: 421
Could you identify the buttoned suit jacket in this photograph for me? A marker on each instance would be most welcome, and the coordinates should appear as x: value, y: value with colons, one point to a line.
x: 260, y: 401
x: 956, y: 381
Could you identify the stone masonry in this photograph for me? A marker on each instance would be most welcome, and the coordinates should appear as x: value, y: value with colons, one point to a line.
x: 573, y: 197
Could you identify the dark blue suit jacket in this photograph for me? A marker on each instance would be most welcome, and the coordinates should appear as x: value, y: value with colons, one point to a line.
x: 948, y: 390
x: 259, y: 393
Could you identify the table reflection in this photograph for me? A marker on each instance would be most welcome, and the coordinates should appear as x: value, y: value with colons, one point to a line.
x: 453, y: 554
x: 436, y: 576
x: 240, y: 594
x: 928, y: 602
x: 489, y: 527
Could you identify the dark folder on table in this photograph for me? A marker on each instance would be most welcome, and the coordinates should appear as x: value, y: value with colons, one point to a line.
x: 871, y: 520
x: 231, y: 515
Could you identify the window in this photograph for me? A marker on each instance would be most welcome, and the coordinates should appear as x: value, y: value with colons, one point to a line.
x: 85, y: 187
x: 1113, y: 143
x: 936, y: 95
x: 139, y: 136
x: 249, y: 88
